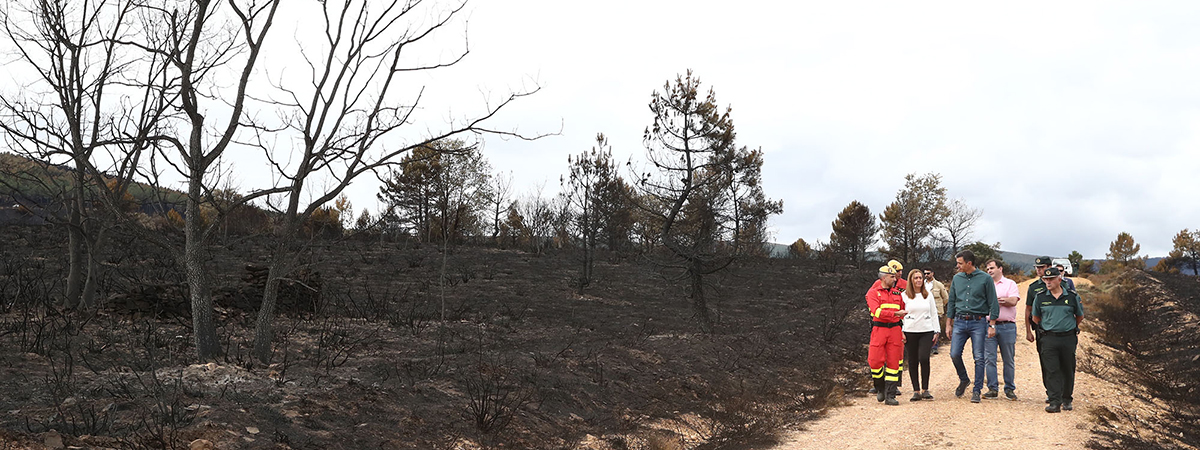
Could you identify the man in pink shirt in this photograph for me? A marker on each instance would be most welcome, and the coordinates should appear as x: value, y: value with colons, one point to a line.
x: 1006, y: 333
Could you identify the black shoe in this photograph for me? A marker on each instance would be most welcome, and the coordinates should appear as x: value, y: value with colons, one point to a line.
x: 1047, y: 400
x: 872, y: 391
x: 974, y: 397
x: 1053, y: 409
x: 934, y: 351
x: 991, y: 394
x: 891, y: 402
x: 962, y: 388
x: 1068, y: 406
x: 926, y: 395
x: 916, y: 397
x: 1010, y: 394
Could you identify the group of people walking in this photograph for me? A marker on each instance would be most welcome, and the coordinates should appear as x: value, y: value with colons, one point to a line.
x: 980, y: 307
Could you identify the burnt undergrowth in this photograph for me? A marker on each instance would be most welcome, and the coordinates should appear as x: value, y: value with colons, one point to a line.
x: 380, y: 346
x: 1151, y: 323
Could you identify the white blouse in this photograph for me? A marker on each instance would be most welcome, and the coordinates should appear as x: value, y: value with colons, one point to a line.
x: 922, y: 313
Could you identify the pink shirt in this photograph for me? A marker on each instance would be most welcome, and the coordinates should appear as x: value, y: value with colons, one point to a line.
x: 1007, y: 288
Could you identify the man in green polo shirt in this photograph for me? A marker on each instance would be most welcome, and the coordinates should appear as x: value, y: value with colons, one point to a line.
x: 971, y: 314
x: 1058, y: 311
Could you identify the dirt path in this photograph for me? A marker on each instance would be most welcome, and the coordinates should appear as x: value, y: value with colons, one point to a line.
x: 949, y: 422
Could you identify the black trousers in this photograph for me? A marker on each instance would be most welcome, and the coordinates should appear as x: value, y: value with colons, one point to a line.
x: 917, y: 347
x: 1037, y: 333
x: 1058, y: 364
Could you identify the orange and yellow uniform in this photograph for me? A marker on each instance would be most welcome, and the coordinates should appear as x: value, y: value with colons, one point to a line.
x: 886, y: 353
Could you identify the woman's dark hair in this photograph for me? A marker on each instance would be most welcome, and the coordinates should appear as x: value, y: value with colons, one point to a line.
x: 967, y: 256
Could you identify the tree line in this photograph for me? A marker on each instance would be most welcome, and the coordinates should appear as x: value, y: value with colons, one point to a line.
x: 922, y: 224
x: 140, y: 106
x: 695, y: 206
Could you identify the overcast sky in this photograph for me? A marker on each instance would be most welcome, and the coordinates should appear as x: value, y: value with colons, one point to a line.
x: 1066, y: 122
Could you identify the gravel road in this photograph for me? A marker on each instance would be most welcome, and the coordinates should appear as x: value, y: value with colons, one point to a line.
x: 949, y: 422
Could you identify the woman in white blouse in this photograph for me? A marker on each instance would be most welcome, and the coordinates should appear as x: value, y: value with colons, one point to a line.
x: 920, y: 329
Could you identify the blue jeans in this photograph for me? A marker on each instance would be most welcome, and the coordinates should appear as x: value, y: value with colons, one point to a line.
x: 976, y: 331
x: 1006, y: 340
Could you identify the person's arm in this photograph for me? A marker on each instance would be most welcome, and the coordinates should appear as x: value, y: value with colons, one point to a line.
x: 993, y: 304
x: 937, y: 327
x: 1011, y: 295
x: 950, y: 308
x: 1029, y: 336
x: 951, y: 299
x: 1036, y: 314
x: 1029, y: 314
x: 989, y: 294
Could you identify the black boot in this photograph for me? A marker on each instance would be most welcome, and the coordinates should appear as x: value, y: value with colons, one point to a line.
x: 892, y: 390
x: 880, y: 389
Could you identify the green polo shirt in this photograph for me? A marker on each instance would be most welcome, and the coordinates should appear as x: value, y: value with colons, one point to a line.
x: 1058, y: 314
x: 1035, y: 288
x: 973, y: 294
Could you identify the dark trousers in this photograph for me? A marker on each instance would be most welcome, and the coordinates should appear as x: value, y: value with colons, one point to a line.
x: 917, y: 347
x: 1058, y: 364
x: 1037, y: 340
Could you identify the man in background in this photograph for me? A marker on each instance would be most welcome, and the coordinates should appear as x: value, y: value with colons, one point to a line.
x: 940, y: 296
x: 1067, y: 282
x: 1005, y: 340
x: 1033, y: 333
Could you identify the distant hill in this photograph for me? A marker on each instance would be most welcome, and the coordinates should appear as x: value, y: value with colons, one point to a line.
x: 1019, y: 261
x: 1151, y: 262
x: 39, y: 183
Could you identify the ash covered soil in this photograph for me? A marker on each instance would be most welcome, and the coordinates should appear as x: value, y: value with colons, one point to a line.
x: 363, y: 359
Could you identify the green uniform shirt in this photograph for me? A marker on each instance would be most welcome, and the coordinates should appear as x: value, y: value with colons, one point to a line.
x: 973, y: 294
x: 1035, y: 288
x: 1058, y: 314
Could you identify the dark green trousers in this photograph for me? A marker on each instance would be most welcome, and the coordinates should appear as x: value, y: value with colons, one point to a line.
x: 1058, y: 366
x: 1037, y: 333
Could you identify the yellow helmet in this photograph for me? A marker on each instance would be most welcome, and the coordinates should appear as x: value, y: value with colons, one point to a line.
x: 896, y: 265
x: 887, y: 269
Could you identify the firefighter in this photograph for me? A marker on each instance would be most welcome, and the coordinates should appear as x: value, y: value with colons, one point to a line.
x: 901, y: 285
x: 887, y: 339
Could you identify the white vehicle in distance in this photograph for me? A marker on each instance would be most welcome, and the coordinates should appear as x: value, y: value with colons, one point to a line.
x: 1066, y: 263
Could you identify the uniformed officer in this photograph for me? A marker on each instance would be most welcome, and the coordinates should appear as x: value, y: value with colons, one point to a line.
x: 1059, y: 312
x: 1032, y: 332
x: 887, y: 338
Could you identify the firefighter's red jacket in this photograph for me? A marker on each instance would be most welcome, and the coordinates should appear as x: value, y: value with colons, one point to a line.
x: 883, y: 303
